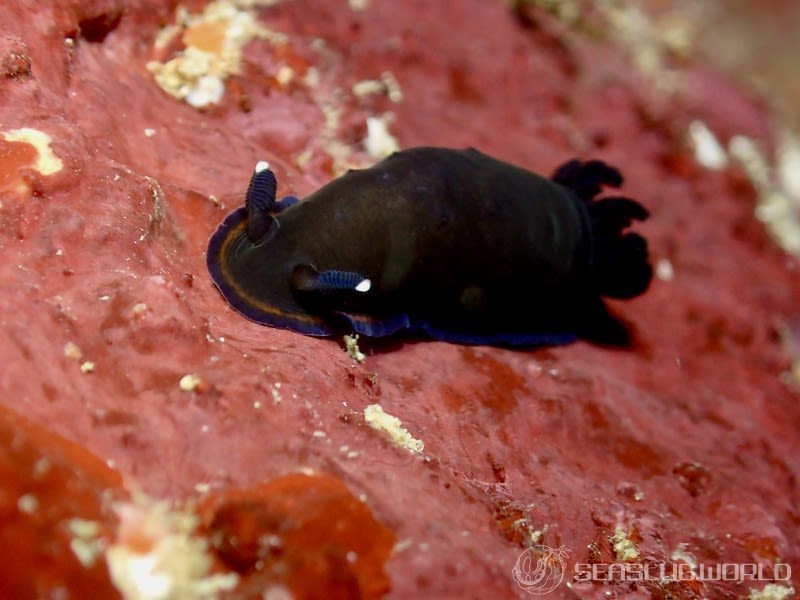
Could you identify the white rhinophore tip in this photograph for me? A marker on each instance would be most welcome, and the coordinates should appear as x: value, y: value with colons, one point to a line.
x: 261, y: 166
x: 364, y: 286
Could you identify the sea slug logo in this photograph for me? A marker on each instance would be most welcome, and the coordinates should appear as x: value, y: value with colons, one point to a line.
x: 540, y: 569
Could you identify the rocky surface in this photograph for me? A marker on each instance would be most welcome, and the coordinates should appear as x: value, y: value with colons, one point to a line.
x: 680, y: 450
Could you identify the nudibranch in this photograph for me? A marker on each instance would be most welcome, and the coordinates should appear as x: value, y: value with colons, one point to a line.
x: 450, y: 244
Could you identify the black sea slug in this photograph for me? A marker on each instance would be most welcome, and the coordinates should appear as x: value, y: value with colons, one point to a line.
x: 450, y: 244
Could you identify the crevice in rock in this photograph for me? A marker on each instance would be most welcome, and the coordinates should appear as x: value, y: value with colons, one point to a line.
x: 95, y: 29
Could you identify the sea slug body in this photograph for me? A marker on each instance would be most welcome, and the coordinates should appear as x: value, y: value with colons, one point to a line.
x: 450, y: 244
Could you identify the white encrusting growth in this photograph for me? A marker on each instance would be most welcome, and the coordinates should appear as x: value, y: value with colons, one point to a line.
x: 364, y: 286
x: 377, y: 418
x: 212, y: 43
x: 261, y: 166
x: 708, y: 151
x: 352, y: 349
